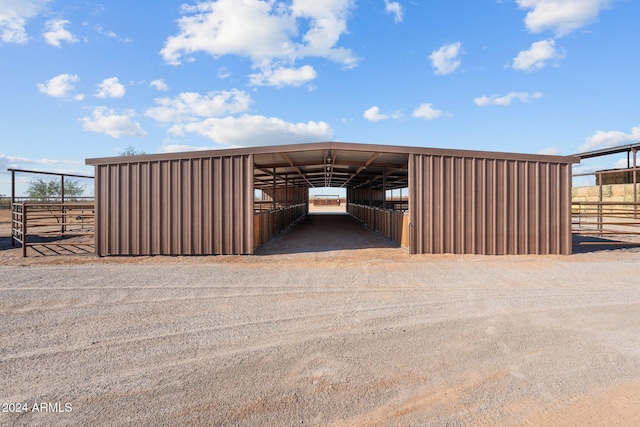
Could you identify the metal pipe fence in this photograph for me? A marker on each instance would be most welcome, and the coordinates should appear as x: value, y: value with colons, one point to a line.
x: 619, y: 220
x: 47, y: 224
x: 5, y: 201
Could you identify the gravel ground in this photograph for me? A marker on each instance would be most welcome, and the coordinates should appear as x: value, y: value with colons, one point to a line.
x: 340, y: 337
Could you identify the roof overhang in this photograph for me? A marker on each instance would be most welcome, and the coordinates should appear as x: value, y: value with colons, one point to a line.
x: 607, y: 151
x: 331, y: 164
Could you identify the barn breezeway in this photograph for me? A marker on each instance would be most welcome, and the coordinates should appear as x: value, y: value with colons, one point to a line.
x: 459, y: 201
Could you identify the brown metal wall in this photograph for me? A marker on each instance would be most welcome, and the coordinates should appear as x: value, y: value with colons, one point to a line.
x: 193, y: 206
x: 365, y: 196
x: 466, y: 205
x: 290, y: 195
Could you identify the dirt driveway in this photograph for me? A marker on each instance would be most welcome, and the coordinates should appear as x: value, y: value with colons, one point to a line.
x: 341, y: 337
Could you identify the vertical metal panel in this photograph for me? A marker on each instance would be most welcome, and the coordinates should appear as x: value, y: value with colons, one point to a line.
x: 489, y: 206
x: 193, y: 206
x: 286, y: 196
x: 267, y: 224
x: 391, y: 224
x: 365, y: 196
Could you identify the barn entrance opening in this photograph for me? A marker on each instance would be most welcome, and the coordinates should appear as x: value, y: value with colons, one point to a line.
x: 324, y: 232
x: 332, y: 224
x: 360, y: 188
x: 327, y: 200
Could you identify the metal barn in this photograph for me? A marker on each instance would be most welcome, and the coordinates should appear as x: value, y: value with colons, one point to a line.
x: 462, y: 202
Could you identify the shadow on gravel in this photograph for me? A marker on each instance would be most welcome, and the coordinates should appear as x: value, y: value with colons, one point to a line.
x: 5, y: 243
x: 48, y: 246
x: 322, y: 232
x: 589, y: 244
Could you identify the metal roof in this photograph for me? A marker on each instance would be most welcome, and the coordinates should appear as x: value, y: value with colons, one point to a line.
x: 606, y: 151
x: 331, y: 164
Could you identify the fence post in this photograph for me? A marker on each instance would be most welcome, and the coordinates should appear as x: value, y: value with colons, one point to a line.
x: 600, y: 203
x: 24, y: 230
x: 63, y: 218
x: 13, y: 201
x: 635, y: 183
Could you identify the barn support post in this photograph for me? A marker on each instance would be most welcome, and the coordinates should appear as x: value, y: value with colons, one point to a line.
x: 384, y: 188
x: 274, y: 189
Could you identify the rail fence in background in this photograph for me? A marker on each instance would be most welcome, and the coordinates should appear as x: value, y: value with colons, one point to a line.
x: 52, y: 225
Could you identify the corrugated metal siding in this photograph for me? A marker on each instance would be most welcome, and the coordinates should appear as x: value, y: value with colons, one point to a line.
x: 289, y: 196
x: 194, y: 206
x: 467, y: 205
x: 365, y: 196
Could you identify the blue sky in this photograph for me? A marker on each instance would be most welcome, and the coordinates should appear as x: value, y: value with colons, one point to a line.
x: 86, y: 79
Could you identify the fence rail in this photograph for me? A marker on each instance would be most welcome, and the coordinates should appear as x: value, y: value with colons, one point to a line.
x: 619, y: 220
x: 45, y: 224
x: 5, y: 201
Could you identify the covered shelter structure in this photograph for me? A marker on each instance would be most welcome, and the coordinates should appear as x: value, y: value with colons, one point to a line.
x: 204, y: 202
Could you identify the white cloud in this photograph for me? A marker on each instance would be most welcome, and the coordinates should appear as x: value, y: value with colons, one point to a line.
x: 180, y: 148
x: 561, y: 16
x: 13, y: 161
x: 281, y: 77
x: 220, y: 28
x: 537, y: 56
x: 601, y: 140
x: 56, y: 33
x: 110, y: 88
x: 550, y: 151
x: 159, y: 84
x: 100, y: 30
x: 579, y: 169
x: 506, y: 99
x: 223, y: 73
x: 14, y: 15
x: 248, y: 130
x: 189, y: 106
x: 623, y: 163
x: 274, y: 41
x: 394, y: 8
x: 446, y: 59
x: 373, y: 115
x: 107, y: 121
x: 426, y: 111
x: 59, y: 86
